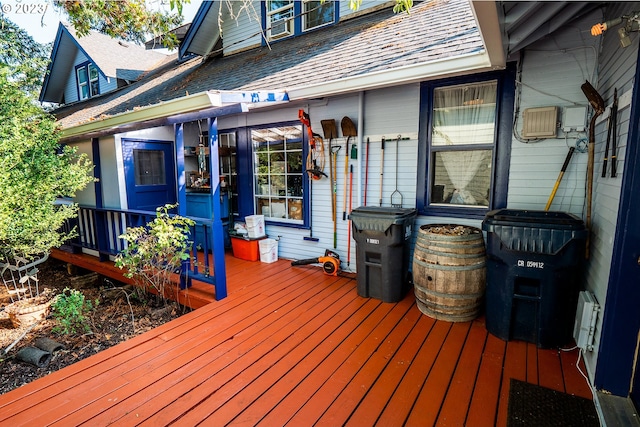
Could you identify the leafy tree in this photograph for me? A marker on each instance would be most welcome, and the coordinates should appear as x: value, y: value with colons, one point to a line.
x: 34, y: 171
x: 128, y: 20
x: 16, y: 45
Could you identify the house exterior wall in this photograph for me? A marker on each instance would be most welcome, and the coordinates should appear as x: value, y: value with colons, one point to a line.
x: 71, y: 87
x: 242, y: 27
x: 109, y: 173
x: 616, y: 69
x: 88, y: 195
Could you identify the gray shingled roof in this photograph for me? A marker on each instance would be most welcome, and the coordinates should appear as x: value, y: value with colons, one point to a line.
x: 378, y: 41
x: 124, y: 60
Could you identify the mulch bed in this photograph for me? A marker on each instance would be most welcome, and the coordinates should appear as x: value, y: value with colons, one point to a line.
x: 117, y: 316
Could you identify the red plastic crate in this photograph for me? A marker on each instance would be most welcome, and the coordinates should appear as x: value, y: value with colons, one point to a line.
x: 247, y: 249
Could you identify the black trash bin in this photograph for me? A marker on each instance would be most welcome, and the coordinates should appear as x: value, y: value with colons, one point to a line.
x: 383, y: 238
x: 534, y: 267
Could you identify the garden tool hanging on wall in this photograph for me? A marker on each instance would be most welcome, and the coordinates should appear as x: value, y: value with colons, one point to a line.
x: 597, y: 103
x: 348, y: 130
x: 330, y: 131
x: 315, y: 158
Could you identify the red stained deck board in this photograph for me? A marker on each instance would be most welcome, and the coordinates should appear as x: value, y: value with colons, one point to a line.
x: 550, y: 370
x: 293, y: 342
x: 223, y: 368
x: 356, y: 388
x: 379, y: 394
x: 454, y: 409
x: 330, y: 389
x: 515, y: 366
x: 283, y: 359
x: 484, y: 404
x: 574, y: 382
x: 302, y: 386
x: 401, y: 403
x: 433, y: 392
x: 201, y: 352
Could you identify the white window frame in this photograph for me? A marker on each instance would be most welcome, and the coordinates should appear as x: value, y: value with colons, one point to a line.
x: 289, y: 21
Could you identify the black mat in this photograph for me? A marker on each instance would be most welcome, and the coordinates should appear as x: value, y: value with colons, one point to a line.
x: 533, y: 405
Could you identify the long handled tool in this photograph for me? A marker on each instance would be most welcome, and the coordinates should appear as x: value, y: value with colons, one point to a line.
x: 366, y: 173
x: 334, y: 173
x: 562, y: 171
x: 348, y: 130
x: 597, y: 103
x: 614, y: 136
x: 396, y: 194
x: 314, y: 165
x: 350, y: 201
x: 381, y: 168
x: 609, y: 130
x: 330, y: 131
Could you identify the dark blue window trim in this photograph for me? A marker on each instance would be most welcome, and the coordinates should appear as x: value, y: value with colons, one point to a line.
x: 501, y: 150
x: 244, y: 166
x: 85, y: 65
x: 297, y: 23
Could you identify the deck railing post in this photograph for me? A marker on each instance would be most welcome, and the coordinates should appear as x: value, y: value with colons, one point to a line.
x: 217, y: 235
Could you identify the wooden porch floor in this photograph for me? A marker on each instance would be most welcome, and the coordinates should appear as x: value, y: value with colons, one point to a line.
x: 292, y: 346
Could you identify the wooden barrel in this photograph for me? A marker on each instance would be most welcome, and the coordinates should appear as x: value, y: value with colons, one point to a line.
x: 449, y: 272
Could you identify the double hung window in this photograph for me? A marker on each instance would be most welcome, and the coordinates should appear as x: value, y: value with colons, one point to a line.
x: 87, y: 78
x: 285, y: 18
x: 465, y: 134
x: 278, y: 173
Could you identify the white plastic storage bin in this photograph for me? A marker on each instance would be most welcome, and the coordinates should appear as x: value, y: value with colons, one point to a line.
x: 268, y: 250
x: 255, y: 226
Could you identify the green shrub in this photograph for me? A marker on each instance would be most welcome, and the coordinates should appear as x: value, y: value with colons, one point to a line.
x: 156, y: 251
x: 70, y: 310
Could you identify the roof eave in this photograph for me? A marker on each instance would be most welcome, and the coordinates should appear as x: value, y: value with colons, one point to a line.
x: 463, y: 64
x: 173, y: 111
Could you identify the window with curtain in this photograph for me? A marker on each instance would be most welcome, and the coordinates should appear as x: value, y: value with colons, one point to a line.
x: 463, y: 135
x: 278, y: 173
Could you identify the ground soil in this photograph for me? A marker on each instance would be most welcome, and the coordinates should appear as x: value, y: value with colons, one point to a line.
x: 114, y: 319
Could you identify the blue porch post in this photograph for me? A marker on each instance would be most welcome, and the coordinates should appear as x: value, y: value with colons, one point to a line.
x: 185, y: 279
x: 101, y: 224
x: 219, y: 267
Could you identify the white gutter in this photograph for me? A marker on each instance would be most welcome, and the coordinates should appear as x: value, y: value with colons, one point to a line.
x: 477, y: 61
x: 190, y: 103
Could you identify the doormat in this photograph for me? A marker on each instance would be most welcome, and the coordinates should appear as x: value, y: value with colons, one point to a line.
x: 533, y: 405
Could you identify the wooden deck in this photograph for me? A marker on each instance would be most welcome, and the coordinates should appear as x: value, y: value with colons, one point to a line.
x: 292, y: 346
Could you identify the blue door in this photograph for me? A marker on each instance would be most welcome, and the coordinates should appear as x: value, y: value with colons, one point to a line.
x: 150, y: 174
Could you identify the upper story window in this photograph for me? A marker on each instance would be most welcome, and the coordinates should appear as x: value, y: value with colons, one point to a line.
x: 285, y: 18
x: 467, y: 132
x: 87, y: 79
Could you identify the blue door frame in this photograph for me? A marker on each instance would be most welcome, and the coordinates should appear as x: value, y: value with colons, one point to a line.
x: 621, y: 322
x: 149, y: 196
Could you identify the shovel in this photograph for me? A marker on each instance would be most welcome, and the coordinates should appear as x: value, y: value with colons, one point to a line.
x: 348, y: 130
x: 597, y: 103
x: 330, y: 132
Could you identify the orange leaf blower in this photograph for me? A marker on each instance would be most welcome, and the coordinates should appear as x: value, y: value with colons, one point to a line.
x: 330, y: 262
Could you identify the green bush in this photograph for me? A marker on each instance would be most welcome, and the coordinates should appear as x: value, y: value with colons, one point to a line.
x: 70, y: 309
x: 156, y: 251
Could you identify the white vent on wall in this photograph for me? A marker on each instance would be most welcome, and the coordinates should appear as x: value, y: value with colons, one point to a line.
x: 585, y: 323
x: 540, y: 122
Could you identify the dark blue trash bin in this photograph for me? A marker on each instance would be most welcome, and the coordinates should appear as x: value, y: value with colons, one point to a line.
x: 534, y: 271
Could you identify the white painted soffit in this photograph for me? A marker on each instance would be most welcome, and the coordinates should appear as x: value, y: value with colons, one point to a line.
x: 176, y: 107
x: 459, y: 65
x: 486, y: 15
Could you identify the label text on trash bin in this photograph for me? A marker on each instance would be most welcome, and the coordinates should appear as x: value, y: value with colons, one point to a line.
x: 373, y: 241
x: 531, y: 264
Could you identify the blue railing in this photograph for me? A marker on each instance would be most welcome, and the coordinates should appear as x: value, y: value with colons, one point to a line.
x: 99, y: 229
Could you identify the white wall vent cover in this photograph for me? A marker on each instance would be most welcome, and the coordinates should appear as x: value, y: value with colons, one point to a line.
x: 585, y: 323
x: 540, y: 122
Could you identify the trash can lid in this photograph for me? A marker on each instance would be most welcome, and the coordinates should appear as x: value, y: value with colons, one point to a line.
x: 534, y: 218
x: 380, y: 218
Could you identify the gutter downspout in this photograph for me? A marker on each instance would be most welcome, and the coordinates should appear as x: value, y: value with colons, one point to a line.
x: 360, y: 138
